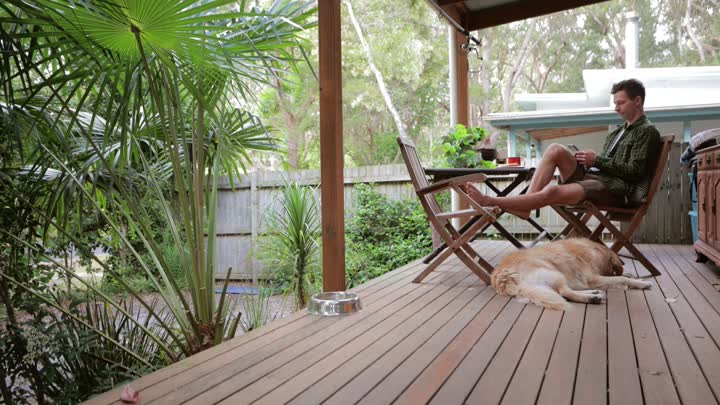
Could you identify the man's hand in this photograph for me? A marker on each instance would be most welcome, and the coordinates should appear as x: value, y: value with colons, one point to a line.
x: 585, y: 157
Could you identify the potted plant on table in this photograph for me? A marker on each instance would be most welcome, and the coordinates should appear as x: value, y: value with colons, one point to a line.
x: 459, y: 148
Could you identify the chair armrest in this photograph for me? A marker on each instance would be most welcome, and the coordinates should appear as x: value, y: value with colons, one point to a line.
x: 445, y: 184
x: 469, y: 178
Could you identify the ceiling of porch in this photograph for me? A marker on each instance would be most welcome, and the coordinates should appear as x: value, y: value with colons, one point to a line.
x: 471, y: 15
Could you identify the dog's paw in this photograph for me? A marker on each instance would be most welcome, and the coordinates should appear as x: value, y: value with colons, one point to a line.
x: 596, y: 299
x: 646, y: 285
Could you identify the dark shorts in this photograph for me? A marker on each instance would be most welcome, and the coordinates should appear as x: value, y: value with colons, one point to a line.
x: 595, y: 190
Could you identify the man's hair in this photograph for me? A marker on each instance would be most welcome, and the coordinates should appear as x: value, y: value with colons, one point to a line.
x: 632, y: 87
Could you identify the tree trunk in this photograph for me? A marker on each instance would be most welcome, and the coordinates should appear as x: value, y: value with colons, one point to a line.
x: 518, y: 65
x: 290, y: 123
x: 374, y: 69
x: 485, y: 74
x: 687, y: 23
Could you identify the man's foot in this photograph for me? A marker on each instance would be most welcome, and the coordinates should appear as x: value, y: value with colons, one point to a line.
x: 476, y: 195
x: 487, y: 201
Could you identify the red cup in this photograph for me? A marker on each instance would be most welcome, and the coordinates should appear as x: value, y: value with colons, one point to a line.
x: 513, y: 161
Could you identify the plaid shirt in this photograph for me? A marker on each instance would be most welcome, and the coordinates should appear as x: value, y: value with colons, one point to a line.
x: 627, y: 168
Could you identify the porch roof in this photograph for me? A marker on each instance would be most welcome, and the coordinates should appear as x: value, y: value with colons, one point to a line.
x: 471, y: 15
x: 589, y: 117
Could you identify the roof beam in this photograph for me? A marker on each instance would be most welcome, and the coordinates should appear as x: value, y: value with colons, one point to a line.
x: 452, y: 11
x: 554, y: 133
x: 518, y: 10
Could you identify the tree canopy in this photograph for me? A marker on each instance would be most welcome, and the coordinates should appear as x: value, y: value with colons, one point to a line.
x: 408, y: 45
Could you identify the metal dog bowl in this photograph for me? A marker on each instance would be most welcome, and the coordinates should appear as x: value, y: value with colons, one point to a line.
x: 334, y: 303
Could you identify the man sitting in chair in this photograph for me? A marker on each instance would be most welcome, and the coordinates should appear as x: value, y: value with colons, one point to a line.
x: 618, y: 176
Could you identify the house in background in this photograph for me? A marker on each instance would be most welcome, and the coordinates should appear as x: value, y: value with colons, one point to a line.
x: 679, y: 100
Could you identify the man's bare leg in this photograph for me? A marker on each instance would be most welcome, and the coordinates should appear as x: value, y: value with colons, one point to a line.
x: 521, y: 205
x: 556, y: 156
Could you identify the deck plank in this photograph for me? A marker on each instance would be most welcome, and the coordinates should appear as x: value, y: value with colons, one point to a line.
x: 386, y: 378
x: 557, y: 387
x: 452, y: 340
x: 623, y: 379
x: 709, y: 271
x: 330, y: 355
x: 657, y: 383
x: 322, y: 379
x: 234, y: 379
x: 204, y: 362
x: 694, y: 359
x: 705, y: 313
x: 526, y: 383
x: 686, y: 372
x: 471, y: 351
x: 236, y: 362
x: 496, y: 377
x: 591, y: 377
x: 708, y: 287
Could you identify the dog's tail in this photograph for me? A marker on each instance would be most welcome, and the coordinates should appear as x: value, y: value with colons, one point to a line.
x: 543, y: 296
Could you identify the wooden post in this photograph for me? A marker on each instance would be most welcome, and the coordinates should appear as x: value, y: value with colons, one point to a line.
x: 458, y: 100
x: 461, y: 67
x: 331, y: 146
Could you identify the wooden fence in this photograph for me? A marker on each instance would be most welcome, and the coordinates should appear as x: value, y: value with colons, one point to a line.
x: 242, y: 209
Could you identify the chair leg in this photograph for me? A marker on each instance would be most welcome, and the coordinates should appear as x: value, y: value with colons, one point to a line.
x: 475, y: 267
x: 458, y: 246
x: 577, y: 223
x: 443, y: 246
x: 455, y: 235
x: 623, y: 240
x: 597, y: 233
x: 434, y: 264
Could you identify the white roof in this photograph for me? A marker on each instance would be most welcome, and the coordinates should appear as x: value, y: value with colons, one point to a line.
x: 665, y: 87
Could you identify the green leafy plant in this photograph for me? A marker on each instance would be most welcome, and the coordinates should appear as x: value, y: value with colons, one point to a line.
x: 383, y: 234
x: 256, y: 309
x: 459, y: 145
x: 144, y: 108
x: 291, y: 245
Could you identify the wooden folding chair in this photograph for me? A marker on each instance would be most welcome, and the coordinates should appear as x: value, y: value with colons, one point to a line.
x: 457, y: 240
x: 579, y: 215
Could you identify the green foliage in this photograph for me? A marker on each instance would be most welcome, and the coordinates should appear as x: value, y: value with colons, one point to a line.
x: 256, y: 309
x: 459, y: 147
x: 132, y: 271
x: 67, y: 361
x: 131, y: 125
x: 291, y: 245
x: 382, y: 235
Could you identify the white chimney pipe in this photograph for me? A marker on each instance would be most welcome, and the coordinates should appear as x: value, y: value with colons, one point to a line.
x: 632, y: 39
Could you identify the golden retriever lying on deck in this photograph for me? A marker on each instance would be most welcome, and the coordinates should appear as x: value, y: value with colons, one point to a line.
x: 572, y: 268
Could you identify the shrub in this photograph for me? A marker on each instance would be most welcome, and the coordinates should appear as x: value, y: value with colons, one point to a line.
x: 291, y: 245
x: 383, y: 234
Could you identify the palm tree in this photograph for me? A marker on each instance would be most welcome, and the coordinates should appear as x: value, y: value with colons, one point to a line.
x: 114, y: 92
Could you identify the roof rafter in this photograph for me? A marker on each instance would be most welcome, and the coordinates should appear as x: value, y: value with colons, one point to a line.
x: 470, y: 15
x: 519, y: 10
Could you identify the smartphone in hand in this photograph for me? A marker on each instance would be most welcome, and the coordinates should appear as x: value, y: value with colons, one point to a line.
x: 573, y: 147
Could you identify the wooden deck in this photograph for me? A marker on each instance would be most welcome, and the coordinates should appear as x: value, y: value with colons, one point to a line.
x: 452, y: 340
